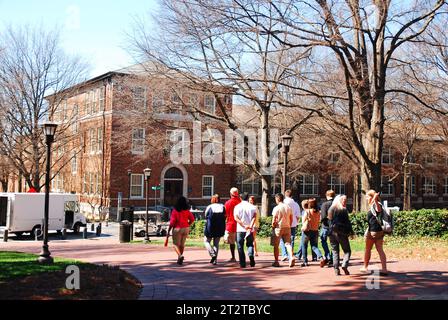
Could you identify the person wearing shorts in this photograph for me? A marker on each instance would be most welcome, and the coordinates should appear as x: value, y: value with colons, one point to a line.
x: 230, y: 234
x: 181, y: 219
x: 282, y: 219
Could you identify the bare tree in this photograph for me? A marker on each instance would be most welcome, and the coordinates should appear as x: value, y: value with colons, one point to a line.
x: 32, y: 67
x: 213, y: 46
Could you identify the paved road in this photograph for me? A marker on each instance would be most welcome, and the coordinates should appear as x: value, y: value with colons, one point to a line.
x: 163, y: 279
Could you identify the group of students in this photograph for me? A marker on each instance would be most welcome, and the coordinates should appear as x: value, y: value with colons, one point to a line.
x: 238, y: 221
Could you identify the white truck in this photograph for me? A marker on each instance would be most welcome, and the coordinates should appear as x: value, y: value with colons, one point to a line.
x: 24, y: 213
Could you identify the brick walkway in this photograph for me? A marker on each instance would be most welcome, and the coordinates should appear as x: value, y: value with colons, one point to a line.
x: 162, y: 278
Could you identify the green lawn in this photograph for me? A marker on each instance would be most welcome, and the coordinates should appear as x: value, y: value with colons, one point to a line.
x: 15, y: 265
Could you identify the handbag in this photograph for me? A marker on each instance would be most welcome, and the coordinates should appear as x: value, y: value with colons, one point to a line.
x: 306, y: 223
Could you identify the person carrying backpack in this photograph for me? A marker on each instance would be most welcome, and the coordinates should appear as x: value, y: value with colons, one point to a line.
x: 215, y: 227
x: 375, y: 234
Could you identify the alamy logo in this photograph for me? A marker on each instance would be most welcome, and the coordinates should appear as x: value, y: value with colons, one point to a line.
x: 373, y: 280
x: 73, y: 280
x: 249, y: 146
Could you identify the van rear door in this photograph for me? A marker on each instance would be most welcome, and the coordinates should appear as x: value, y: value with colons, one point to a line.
x: 3, y: 211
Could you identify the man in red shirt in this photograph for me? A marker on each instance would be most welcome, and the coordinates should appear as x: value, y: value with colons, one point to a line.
x: 230, y: 235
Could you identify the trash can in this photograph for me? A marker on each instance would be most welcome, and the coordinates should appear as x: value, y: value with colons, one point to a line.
x: 125, y: 231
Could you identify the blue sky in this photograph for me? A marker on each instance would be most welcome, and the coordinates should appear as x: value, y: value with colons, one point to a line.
x: 93, y: 29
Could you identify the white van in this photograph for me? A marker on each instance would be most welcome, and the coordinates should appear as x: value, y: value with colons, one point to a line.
x: 24, y: 213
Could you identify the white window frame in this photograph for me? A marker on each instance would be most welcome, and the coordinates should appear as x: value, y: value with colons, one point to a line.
x: 213, y: 111
x: 389, y: 187
x: 335, y: 157
x: 158, y: 98
x: 93, y: 101
x: 387, y: 155
x: 212, y: 186
x: 176, y: 98
x: 426, y: 185
x: 140, y: 100
x: 413, y: 186
x: 246, y: 182
x: 314, y: 184
x: 336, y: 184
x: 445, y: 186
x: 92, y: 140
x: 101, y: 98
x: 429, y: 159
x: 141, y: 186
x: 99, y: 140
x: 193, y: 102
x: 74, y: 163
x: 142, y: 140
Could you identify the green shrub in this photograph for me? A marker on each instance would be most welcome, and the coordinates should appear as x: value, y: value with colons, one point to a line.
x: 265, y: 227
x: 197, y: 228
x: 424, y: 222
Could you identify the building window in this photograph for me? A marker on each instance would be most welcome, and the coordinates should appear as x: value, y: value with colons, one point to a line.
x: 139, y: 94
x: 445, y: 186
x: 74, y: 163
x: 99, y: 186
x: 336, y: 184
x: 178, y: 138
x: 387, y: 157
x: 276, y: 184
x: 92, y: 139
x: 429, y: 185
x: 249, y: 184
x: 387, y: 186
x: 137, y: 185
x: 87, y: 102
x: 308, y: 184
x: 58, y: 183
x: 93, y: 102
x: 138, y: 141
x: 99, y: 140
x: 412, y: 185
x: 210, y: 103
x: 101, y: 95
x: 334, y: 157
x: 176, y: 103
x: 193, y: 102
x: 75, y: 122
x: 84, y: 183
x: 158, y: 103
x: 64, y: 110
x: 207, y: 186
x: 429, y: 159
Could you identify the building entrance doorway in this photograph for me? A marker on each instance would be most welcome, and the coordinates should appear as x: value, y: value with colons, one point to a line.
x: 173, y: 186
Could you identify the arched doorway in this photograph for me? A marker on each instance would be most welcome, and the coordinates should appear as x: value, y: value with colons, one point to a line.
x: 173, y: 186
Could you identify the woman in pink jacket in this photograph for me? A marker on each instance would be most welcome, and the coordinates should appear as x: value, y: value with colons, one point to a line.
x: 181, y: 219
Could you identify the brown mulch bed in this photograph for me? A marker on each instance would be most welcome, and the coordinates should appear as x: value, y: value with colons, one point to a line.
x: 96, y: 283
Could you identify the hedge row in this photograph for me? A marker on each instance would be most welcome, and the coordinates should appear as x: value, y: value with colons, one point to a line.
x: 425, y: 222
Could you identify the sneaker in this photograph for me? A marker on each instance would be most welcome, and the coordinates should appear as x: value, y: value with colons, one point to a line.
x: 384, y: 273
x: 292, y: 262
x: 180, y: 260
x: 276, y: 264
x: 213, y: 260
x: 284, y: 258
x: 337, y: 272
x: 252, y: 262
x: 304, y: 264
x: 347, y: 273
x: 364, y: 270
x: 323, y: 262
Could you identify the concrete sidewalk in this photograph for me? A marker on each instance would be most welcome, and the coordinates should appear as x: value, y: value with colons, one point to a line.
x: 197, y: 279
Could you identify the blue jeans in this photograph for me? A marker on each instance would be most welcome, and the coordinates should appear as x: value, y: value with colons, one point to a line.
x: 311, y: 236
x: 302, y: 243
x: 324, y: 234
x: 249, y: 244
x: 282, y: 244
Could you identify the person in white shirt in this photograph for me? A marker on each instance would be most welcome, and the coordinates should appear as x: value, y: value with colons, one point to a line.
x: 282, y: 218
x: 295, y: 221
x: 245, y: 214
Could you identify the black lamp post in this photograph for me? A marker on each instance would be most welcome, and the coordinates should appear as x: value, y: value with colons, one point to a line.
x: 286, y: 142
x: 49, y: 131
x: 147, y: 173
x: 129, y: 189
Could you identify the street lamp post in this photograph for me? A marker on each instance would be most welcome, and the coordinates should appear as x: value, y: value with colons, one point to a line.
x: 49, y: 131
x: 147, y: 173
x: 286, y: 142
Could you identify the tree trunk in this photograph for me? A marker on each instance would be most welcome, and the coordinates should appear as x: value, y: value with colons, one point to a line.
x: 357, y: 193
x: 406, y: 191
x: 266, y: 195
x: 370, y: 179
